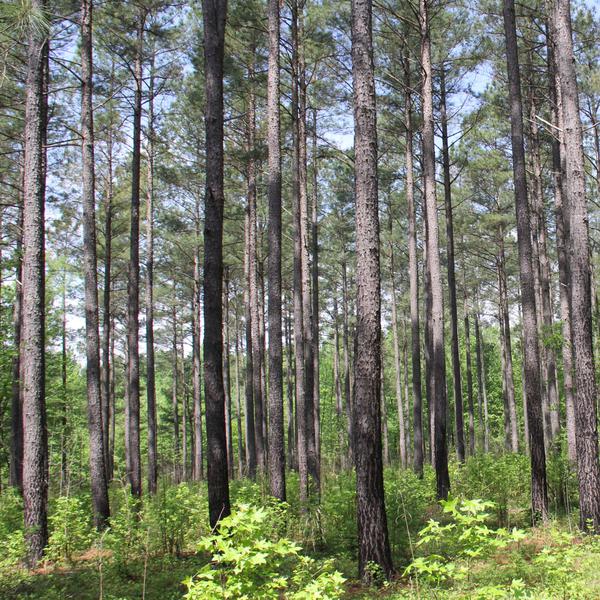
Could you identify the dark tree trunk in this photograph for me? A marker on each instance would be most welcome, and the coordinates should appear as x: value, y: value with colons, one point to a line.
x: 588, y: 468
x: 307, y: 316
x: 35, y: 437
x: 149, y: 304
x: 132, y: 447
x: 456, y: 378
x: 373, y: 542
x: 276, y: 437
x: 438, y: 380
x: 214, y: 13
x: 539, y: 495
x: 94, y: 399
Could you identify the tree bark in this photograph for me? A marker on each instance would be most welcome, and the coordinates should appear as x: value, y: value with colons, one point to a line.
x: 214, y: 13
x: 276, y: 437
x: 32, y: 373
x: 456, y: 377
x: 198, y: 460
x: 539, y: 495
x: 561, y: 253
x: 16, y: 437
x: 299, y: 339
x: 413, y: 269
x: 438, y: 380
x: 149, y: 303
x: 132, y: 447
x: 588, y: 468
x: 373, y: 542
x: 512, y: 431
x: 94, y: 400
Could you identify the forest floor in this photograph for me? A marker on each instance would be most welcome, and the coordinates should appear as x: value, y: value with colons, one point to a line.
x: 477, y: 546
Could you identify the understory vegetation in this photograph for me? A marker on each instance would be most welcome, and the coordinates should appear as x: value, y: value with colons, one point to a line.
x: 477, y: 545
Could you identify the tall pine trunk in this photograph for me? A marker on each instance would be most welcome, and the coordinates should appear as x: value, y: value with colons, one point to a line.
x: 132, y: 437
x: 149, y: 301
x: 456, y: 378
x: 413, y: 269
x: 276, y: 437
x: 438, y: 379
x: 32, y: 366
x: 214, y: 13
x: 373, y: 542
x: 94, y: 399
x: 588, y: 468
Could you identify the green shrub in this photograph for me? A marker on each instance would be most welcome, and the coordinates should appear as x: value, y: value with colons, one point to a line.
x: 126, y: 537
x: 176, y: 516
x: 70, y: 527
x: 454, y: 546
x: 249, y: 560
x: 503, y: 480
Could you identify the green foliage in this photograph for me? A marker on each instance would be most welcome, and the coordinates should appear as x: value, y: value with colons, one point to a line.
x: 125, y: 537
x: 250, y: 561
x: 504, y: 480
x: 71, y: 530
x: 177, y: 516
x: 456, y: 544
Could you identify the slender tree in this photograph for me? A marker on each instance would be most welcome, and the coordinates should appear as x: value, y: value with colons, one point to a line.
x: 94, y: 400
x: 132, y: 432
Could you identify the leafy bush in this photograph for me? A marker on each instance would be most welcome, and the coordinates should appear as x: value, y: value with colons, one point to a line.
x: 503, y: 480
x: 176, y: 516
x: 70, y: 527
x: 464, y: 539
x: 249, y: 560
x: 126, y: 537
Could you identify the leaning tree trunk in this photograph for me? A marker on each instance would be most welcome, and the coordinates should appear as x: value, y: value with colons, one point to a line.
x: 588, y: 468
x: 456, y: 378
x: 214, y: 13
x: 539, y: 495
x: 373, y: 542
x: 32, y: 373
x: 94, y: 400
x: 276, y: 437
x: 438, y: 381
x: 197, y: 460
